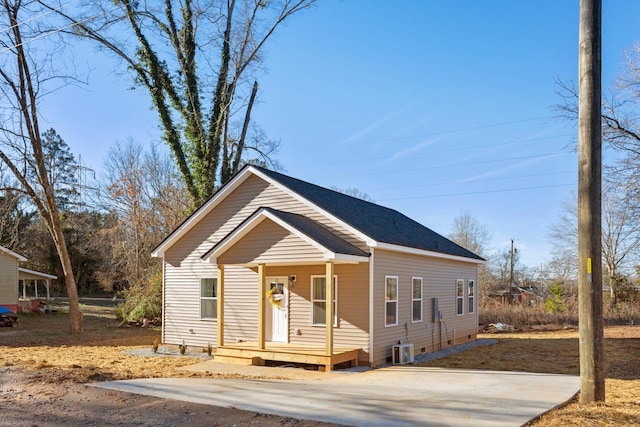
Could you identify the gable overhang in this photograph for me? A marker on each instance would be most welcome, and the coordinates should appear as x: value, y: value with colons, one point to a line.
x: 9, y: 252
x: 207, y: 207
x: 229, y: 188
x: 422, y: 252
x: 256, y: 219
x: 357, y: 233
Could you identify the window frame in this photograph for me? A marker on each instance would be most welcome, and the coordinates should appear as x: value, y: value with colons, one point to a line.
x: 206, y: 298
x: 460, y: 294
x: 387, y: 301
x: 471, y: 296
x: 335, y: 301
x: 414, y: 300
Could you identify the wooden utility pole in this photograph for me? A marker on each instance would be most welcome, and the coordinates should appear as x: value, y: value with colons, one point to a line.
x: 511, y: 301
x: 589, y: 203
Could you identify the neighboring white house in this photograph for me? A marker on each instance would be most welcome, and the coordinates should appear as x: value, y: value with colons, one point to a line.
x: 21, y: 289
x: 246, y: 273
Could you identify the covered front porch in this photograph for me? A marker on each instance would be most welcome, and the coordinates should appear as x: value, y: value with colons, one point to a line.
x: 307, y: 244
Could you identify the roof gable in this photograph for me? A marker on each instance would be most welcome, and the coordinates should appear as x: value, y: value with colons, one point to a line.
x: 12, y: 254
x: 318, y: 236
x: 377, y: 225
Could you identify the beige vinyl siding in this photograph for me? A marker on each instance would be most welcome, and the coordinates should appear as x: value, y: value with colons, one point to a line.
x: 183, y: 266
x: 439, y: 281
x: 268, y: 243
x: 352, y: 303
x: 8, y: 280
x: 235, y: 208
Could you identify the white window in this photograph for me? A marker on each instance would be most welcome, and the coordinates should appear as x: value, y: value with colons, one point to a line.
x: 460, y: 297
x: 416, y: 299
x: 208, y: 298
x: 471, y: 295
x: 391, y: 300
x: 319, y: 301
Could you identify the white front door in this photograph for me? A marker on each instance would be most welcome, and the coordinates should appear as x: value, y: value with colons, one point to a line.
x: 278, y: 304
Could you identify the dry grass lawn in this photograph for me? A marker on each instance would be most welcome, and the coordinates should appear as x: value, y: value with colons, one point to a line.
x: 42, y: 343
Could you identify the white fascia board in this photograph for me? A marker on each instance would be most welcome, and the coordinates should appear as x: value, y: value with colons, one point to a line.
x: 350, y: 258
x: 13, y: 254
x: 251, y: 223
x: 259, y: 216
x: 191, y: 221
x: 36, y: 273
x: 368, y: 240
x: 296, y: 232
x: 414, y: 251
x: 371, y: 302
x: 306, y: 263
x: 233, y: 238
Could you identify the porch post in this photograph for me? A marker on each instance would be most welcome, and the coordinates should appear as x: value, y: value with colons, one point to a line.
x: 48, y: 283
x: 261, y: 297
x: 35, y: 285
x: 329, y: 307
x: 220, y: 305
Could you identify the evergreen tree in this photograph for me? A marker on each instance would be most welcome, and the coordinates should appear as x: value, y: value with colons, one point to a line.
x: 62, y: 168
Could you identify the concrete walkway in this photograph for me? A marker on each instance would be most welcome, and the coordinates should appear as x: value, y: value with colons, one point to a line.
x: 393, y: 396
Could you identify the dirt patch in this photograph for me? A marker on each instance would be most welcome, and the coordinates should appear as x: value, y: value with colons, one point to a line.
x: 47, y: 398
x: 43, y: 372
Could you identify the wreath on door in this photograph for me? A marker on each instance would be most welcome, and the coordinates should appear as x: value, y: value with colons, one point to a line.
x: 275, y: 297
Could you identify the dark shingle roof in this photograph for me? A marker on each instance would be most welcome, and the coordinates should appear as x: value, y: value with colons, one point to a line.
x: 319, y: 233
x: 378, y: 222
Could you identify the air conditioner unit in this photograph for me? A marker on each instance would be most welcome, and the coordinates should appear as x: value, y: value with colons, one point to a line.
x: 402, y: 354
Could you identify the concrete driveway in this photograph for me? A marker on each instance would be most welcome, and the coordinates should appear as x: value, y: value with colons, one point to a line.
x: 393, y: 396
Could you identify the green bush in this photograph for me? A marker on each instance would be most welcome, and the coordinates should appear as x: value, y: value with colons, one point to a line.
x: 142, y: 300
x: 555, y: 303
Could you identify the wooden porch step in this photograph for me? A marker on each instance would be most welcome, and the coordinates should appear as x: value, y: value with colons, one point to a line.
x: 246, y: 354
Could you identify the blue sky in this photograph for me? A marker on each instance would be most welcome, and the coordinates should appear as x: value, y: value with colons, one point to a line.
x: 431, y: 107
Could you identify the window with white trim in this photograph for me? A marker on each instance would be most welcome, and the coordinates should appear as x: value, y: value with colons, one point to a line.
x: 208, y: 298
x: 460, y: 297
x: 416, y: 299
x: 391, y: 300
x: 319, y: 301
x: 471, y: 293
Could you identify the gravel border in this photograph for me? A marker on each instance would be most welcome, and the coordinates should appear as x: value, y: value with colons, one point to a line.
x: 426, y: 357
x: 166, y: 352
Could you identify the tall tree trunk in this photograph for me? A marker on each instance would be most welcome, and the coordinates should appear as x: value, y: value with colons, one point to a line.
x: 75, y: 316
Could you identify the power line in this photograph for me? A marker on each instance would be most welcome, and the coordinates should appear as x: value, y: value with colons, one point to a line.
x: 54, y: 31
x: 464, y: 181
x: 504, y: 190
x: 443, y: 150
x: 452, y: 165
x: 33, y: 18
x: 399, y: 138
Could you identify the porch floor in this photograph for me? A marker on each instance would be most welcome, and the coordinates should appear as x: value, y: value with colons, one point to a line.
x: 248, y: 353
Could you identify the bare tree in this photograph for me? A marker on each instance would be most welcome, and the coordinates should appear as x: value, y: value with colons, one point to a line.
x: 27, y: 72
x: 470, y: 234
x: 148, y: 201
x: 195, y: 59
x: 620, y: 237
x: 355, y: 192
